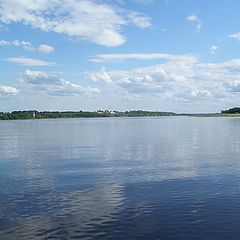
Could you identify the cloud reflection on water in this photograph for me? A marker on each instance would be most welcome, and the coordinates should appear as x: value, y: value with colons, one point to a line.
x: 83, y: 177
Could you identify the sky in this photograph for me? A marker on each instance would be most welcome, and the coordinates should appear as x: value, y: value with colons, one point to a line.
x: 158, y: 55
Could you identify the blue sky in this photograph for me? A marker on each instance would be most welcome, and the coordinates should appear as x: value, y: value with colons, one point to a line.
x: 165, y: 55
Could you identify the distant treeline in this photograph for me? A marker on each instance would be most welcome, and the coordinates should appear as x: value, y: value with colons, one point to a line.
x: 33, y: 114
x: 232, y: 110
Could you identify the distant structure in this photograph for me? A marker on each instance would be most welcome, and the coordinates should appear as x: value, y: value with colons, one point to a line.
x: 34, y: 114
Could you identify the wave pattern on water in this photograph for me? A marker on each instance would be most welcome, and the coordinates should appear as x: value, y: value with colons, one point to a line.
x: 147, y: 178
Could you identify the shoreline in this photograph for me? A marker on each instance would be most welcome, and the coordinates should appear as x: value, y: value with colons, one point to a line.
x: 216, y: 115
x: 177, y: 115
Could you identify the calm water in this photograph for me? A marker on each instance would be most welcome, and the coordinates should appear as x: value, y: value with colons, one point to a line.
x: 136, y: 178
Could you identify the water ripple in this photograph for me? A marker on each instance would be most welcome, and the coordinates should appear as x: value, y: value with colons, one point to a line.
x: 158, y: 178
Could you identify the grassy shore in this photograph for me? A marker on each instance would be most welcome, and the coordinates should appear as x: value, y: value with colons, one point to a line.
x: 216, y: 115
x: 33, y: 114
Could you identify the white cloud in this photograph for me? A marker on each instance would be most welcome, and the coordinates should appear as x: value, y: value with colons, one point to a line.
x: 139, y: 20
x: 140, y: 85
x: 17, y: 43
x: 136, y: 1
x: 213, y: 49
x: 143, y: 1
x: 199, y: 22
x: 29, y: 61
x: 235, y: 36
x: 138, y: 56
x: 233, y: 86
x: 193, y: 95
x: 131, y: 97
x: 26, y: 45
x: 49, y: 84
x: 180, y: 78
x: 43, y: 48
x: 3, y: 28
x: 86, y: 19
x: 4, y: 43
x: 102, y: 76
x: 192, y: 18
x: 8, y: 90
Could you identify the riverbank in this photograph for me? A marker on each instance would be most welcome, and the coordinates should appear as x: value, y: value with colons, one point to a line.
x: 33, y: 114
x: 216, y: 115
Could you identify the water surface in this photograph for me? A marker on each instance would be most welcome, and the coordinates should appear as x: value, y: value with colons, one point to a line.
x: 120, y: 178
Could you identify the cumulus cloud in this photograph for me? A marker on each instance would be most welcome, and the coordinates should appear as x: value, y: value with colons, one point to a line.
x: 8, y: 90
x: 17, y: 43
x: 143, y: 1
x: 87, y: 19
x: 3, y: 43
x: 235, y: 36
x: 182, y: 78
x: 29, y: 61
x: 102, y: 76
x: 197, y: 20
x: 43, y: 48
x: 137, y: 85
x: 46, y: 83
x: 193, y: 95
x: 139, y: 20
x: 131, y: 97
x: 233, y: 86
x: 213, y: 49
